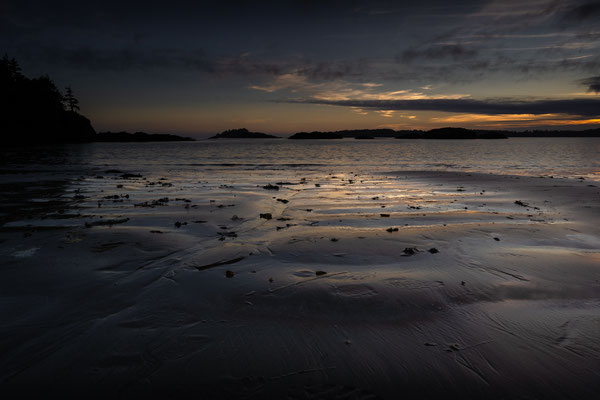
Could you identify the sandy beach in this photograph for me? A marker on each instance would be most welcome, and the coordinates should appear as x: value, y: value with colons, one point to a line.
x: 408, y: 284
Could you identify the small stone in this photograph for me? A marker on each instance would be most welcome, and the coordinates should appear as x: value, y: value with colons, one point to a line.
x: 319, y: 273
x: 229, y: 274
x: 433, y: 250
x: 409, y: 251
x: 334, y: 239
x: 497, y: 239
x: 463, y: 283
x: 266, y: 216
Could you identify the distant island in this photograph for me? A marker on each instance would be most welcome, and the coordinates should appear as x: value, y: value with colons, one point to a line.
x: 316, y: 135
x: 453, y: 133
x: 139, y: 137
x: 242, y: 133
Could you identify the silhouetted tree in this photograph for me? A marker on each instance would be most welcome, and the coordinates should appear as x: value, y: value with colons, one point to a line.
x: 33, y: 110
x: 10, y: 69
x: 70, y: 101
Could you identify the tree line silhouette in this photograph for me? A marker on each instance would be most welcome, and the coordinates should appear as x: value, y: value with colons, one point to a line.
x: 33, y: 110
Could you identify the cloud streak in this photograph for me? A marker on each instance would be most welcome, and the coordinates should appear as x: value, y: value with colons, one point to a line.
x: 581, y: 107
x: 447, y: 51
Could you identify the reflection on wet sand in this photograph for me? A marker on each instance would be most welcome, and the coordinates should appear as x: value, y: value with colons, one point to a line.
x: 170, y: 285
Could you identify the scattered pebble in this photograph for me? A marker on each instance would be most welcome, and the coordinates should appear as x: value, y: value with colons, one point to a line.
x: 229, y: 274
x: 319, y: 273
x: 392, y: 229
x: 433, y: 250
x: 266, y: 216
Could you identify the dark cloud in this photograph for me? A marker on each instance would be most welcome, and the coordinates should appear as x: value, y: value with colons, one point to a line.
x: 454, y: 51
x: 592, y: 83
x: 327, y: 70
x: 121, y: 59
x: 586, y: 11
x: 582, y: 107
x: 135, y: 58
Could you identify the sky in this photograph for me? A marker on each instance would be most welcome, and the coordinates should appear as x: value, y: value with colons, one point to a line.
x: 288, y: 66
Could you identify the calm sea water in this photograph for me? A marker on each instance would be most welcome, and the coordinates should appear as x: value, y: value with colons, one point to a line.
x: 571, y: 157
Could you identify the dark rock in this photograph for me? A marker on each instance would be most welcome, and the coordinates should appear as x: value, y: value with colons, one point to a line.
x: 266, y: 216
x: 433, y: 250
x: 108, y: 222
x: 271, y: 187
x: 229, y: 274
x: 319, y: 273
x: 410, y: 251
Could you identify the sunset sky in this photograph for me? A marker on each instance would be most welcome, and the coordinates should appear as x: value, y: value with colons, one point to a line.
x: 288, y: 66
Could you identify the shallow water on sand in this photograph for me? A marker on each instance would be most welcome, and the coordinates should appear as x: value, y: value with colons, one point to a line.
x: 148, y: 268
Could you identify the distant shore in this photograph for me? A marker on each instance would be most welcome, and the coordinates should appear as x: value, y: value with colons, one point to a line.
x: 439, y: 133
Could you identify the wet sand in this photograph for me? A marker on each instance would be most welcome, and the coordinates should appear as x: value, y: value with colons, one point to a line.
x: 489, y: 287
